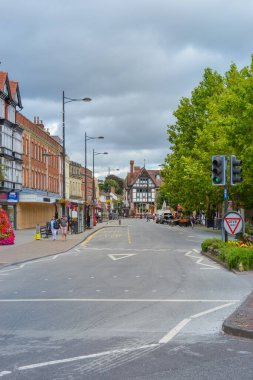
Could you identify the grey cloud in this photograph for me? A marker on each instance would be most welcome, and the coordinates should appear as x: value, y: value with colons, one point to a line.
x: 135, y: 59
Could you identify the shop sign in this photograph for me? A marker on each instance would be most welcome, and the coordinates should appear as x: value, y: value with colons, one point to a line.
x: 13, y: 196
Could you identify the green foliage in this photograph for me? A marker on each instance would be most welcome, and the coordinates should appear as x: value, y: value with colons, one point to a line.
x: 111, y: 183
x: 211, y: 244
x: 216, y: 119
x: 119, y: 181
x: 234, y: 256
x: 249, y: 228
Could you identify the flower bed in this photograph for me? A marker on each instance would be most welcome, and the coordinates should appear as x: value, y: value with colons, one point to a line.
x: 6, y: 231
x: 234, y: 254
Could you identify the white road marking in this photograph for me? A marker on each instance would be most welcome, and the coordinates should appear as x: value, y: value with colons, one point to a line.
x: 120, y: 256
x: 132, y: 249
x: 200, y: 259
x: 168, y: 337
x: 55, y: 257
x: 212, y: 310
x: 162, y: 300
x: 174, y: 331
x: 3, y: 373
x: 78, y: 358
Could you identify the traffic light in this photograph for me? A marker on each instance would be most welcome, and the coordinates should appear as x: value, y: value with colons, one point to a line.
x: 235, y: 170
x: 219, y: 170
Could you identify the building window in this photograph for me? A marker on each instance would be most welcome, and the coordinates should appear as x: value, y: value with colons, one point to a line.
x: 11, y: 113
x: 1, y: 108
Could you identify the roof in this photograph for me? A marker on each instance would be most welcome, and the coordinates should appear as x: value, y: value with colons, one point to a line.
x: 12, y: 87
x: 138, y: 172
x: 3, y: 77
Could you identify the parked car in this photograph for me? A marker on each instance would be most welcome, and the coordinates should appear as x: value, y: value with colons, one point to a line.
x: 166, y: 217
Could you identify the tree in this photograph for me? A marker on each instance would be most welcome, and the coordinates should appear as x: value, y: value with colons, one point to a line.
x: 119, y: 181
x: 216, y: 119
x: 111, y: 183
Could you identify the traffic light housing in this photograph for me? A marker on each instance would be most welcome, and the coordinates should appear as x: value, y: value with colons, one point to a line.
x: 235, y: 170
x: 219, y: 170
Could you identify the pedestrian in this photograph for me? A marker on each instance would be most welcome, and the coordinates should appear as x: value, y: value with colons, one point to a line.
x: 192, y: 219
x: 64, y: 227
x: 54, y: 224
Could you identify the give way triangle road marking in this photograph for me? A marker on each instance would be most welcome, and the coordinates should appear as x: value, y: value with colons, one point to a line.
x: 119, y: 256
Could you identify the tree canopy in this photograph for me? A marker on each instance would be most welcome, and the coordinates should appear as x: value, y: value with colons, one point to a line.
x: 117, y: 182
x: 216, y: 119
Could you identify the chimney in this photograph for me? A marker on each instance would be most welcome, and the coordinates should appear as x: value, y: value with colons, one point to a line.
x: 132, y: 167
x: 34, y: 119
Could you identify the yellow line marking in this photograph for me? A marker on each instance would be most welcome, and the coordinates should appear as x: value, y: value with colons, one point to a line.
x: 86, y: 241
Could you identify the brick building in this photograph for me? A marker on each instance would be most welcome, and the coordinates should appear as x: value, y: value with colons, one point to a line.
x: 42, y: 174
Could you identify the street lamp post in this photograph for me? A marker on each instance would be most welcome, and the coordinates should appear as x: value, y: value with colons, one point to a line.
x: 87, y: 138
x: 65, y: 100
x: 93, y: 182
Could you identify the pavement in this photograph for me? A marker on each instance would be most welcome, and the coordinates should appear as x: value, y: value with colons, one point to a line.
x: 26, y: 248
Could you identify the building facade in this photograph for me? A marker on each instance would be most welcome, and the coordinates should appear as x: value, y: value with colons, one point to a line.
x: 10, y: 147
x: 141, y: 186
x: 41, y: 193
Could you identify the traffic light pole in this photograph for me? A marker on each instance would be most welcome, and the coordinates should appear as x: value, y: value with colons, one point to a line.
x: 225, y: 209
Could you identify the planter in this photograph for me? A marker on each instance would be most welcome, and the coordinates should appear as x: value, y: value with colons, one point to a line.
x: 7, y: 241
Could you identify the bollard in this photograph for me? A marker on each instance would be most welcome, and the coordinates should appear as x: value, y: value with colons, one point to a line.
x: 119, y: 221
x: 37, y: 232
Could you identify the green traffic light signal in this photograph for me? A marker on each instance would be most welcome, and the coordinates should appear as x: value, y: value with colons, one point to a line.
x: 219, y: 170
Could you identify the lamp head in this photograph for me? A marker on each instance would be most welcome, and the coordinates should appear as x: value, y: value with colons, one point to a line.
x: 86, y: 99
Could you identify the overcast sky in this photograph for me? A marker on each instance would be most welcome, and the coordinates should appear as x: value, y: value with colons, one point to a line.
x: 134, y: 58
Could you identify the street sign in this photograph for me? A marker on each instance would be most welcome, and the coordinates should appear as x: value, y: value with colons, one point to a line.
x: 233, y: 222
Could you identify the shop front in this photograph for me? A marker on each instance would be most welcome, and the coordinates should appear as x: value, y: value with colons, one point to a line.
x: 75, y: 215
x: 8, y: 202
x: 35, y: 208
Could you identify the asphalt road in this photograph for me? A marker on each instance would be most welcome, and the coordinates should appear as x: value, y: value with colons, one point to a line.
x: 136, y: 301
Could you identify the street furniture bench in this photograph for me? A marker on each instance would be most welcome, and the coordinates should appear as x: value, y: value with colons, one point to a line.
x: 45, y: 232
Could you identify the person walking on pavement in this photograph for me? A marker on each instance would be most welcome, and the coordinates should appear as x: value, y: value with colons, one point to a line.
x: 64, y: 227
x: 192, y: 220
x: 54, y: 224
